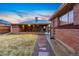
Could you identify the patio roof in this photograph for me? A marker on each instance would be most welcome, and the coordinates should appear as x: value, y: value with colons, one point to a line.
x: 35, y: 22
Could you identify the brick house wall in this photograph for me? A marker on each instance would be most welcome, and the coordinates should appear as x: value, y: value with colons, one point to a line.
x: 56, y: 22
x: 4, y: 29
x: 15, y: 29
x: 68, y: 35
x: 52, y: 29
x: 76, y: 14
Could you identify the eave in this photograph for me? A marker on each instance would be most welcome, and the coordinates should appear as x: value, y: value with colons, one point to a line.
x: 62, y: 10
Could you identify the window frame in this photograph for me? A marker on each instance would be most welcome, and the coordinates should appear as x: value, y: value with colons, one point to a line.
x: 60, y: 18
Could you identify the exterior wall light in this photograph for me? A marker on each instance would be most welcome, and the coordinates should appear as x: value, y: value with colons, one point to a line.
x: 44, y: 27
x: 29, y: 25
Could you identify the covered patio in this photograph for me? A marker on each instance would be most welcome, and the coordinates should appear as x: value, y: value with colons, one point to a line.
x: 33, y: 26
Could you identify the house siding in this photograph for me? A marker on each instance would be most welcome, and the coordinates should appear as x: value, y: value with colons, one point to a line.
x: 15, y: 29
x: 76, y: 14
x: 69, y: 36
x: 56, y: 22
x: 4, y: 29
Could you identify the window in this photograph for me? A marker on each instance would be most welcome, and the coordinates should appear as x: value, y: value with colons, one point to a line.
x: 71, y: 16
x: 66, y: 18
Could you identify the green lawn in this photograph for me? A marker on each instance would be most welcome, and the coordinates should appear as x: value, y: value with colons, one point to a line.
x: 17, y: 45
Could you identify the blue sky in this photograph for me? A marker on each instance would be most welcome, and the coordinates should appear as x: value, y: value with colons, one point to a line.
x: 17, y: 12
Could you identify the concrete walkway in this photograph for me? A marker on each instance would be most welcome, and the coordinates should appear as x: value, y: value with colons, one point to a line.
x: 42, y: 47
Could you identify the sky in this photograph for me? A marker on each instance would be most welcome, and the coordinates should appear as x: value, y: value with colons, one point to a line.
x: 19, y: 12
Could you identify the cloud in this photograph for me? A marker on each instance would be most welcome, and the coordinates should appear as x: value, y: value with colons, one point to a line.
x: 10, y: 16
x: 36, y: 13
x: 22, y: 15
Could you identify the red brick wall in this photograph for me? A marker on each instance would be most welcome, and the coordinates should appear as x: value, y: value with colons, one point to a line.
x: 4, y: 29
x: 56, y: 22
x: 69, y: 37
x: 52, y: 28
x: 15, y: 28
x: 52, y: 24
x: 76, y: 14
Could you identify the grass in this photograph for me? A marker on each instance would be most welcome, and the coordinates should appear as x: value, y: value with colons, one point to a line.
x: 17, y: 45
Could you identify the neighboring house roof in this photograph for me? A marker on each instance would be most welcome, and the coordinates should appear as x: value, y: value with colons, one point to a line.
x: 4, y: 23
x: 35, y: 22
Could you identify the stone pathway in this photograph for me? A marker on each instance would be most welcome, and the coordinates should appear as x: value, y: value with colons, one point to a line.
x: 42, y: 47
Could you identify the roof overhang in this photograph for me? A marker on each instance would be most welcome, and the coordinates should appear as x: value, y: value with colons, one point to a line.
x: 27, y: 24
x: 65, y: 7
